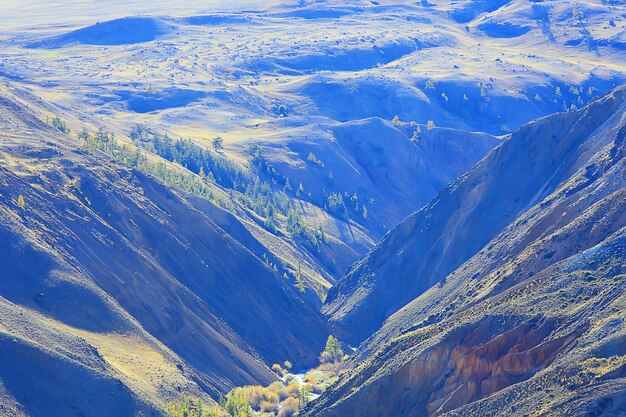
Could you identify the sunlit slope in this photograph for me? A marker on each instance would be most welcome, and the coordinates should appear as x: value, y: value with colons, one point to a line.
x: 113, y: 257
x: 307, y: 81
x: 488, y: 66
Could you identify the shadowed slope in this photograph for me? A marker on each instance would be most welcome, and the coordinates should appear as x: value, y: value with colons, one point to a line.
x: 124, y: 31
x: 463, y: 218
x: 530, y: 319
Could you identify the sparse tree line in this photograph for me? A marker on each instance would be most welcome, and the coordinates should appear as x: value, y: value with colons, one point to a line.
x: 204, y: 171
x: 564, y: 97
x: 201, y: 169
x: 283, y: 398
x: 268, y: 199
x: 261, y: 189
x: 344, y: 206
x: 104, y: 141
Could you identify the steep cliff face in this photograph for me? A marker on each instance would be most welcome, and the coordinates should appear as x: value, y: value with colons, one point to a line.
x: 90, y: 248
x: 526, y: 319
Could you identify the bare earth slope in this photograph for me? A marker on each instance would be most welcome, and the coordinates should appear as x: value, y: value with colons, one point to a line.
x: 515, y: 275
x: 101, y: 250
x: 469, y: 213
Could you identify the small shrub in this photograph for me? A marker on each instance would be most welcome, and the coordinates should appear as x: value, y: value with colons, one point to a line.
x: 59, y: 124
x: 316, y: 388
x: 289, y: 408
x: 278, y: 369
x: 312, y: 158
x: 310, y: 379
x: 293, y: 389
x: 269, y: 407
x: 280, y: 390
x: 256, y: 395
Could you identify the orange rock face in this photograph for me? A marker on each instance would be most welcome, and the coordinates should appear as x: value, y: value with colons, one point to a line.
x: 484, y: 368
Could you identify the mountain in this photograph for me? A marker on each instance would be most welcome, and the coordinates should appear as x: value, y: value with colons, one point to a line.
x: 119, y: 284
x: 192, y: 192
x: 306, y: 82
x: 505, y: 294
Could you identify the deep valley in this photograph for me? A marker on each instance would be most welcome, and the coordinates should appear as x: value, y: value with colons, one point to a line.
x: 314, y: 208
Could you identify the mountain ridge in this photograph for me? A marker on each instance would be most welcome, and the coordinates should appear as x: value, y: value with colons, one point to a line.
x: 529, y: 305
x: 338, y: 302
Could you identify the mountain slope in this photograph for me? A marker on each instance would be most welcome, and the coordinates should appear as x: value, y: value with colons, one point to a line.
x: 103, y: 250
x: 526, y: 318
x: 320, y: 77
x: 374, y: 164
x: 469, y: 213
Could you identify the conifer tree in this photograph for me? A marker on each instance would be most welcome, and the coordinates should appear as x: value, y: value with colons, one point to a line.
x: 217, y: 144
x: 20, y: 201
x: 299, y: 281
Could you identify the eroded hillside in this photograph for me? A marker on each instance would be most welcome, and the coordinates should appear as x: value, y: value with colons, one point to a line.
x: 184, y: 185
x: 508, y: 288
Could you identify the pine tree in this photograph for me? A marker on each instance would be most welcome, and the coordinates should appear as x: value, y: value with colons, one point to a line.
x: 299, y: 281
x: 20, y: 201
x: 217, y: 144
x: 333, y: 347
x: 305, y: 391
x: 236, y: 404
